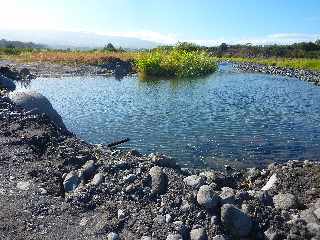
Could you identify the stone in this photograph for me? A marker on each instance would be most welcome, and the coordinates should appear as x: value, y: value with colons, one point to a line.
x: 264, y: 197
x: 23, y: 185
x: 43, y: 191
x: 87, y: 170
x: 71, y: 181
x: 271, y: 183
x: 209, y: 175
x: 160, y: 219
x: 113, y: 236
x: 236, y: 221
x: 285, y: 201
x: 308, y: 216
x: 185, y: 206
x: 121, y: 214
x: 83, y: 222
x: 159, y: 180
x: 253, y: 173
x: 227, y: 195
x: 174, y: 237
x: 37, y: 103
x: 207, y: 198
x: 273, y: 234
x: 162, y: 160
x: 314, y: 229
x: 198, y: 234
x: 214, y: 220
x: 168, y: 218
x: 181, y: 228
x: 97, y: 179
x: 317, y: 213
x: 7, y: 83
x: 129, y: 178
x: 194, y: 181
x: 219, y: 237
x: 146, y: 238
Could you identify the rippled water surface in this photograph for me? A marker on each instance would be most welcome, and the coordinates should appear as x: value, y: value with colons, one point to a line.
x: 241, y: 119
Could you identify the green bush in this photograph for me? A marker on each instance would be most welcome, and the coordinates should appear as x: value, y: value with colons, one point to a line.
x: 175, y: 63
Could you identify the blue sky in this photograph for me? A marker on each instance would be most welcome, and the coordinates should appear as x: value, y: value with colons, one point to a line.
x: 203, y: 21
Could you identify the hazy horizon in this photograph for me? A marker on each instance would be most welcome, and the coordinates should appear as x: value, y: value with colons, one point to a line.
x: 152, y: 22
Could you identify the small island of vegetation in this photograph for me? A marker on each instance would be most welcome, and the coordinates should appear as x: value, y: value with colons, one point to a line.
x: 179, y: 63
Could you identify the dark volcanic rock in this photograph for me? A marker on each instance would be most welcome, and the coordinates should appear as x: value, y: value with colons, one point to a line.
x: 56, y: 186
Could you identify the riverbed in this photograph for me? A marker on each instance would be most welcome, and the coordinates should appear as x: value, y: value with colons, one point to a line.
x: 229, y: 117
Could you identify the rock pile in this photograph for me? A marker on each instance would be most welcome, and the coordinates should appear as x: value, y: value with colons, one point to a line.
x: 53, y: 185
x: 307, y: 75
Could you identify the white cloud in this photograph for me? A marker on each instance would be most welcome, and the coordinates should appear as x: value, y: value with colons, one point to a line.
x: 145, y: 35
x: 277, y: 38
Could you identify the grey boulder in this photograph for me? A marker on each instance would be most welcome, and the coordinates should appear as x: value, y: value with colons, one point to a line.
x: 71, y: 181
x: 207, y: 198
x: 159, y: 180
x: 236, y: 221
x: 37, y: 103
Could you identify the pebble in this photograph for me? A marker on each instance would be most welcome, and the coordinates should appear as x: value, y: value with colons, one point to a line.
x: 71, y: 181
x: 121, y: 214
x: 317, y: 213
x: 271, y: 183
x: 264, y: 197
x: 23, y: 185
x: 97, y: 179
x: 308, y: 216
x: 113, y: 236
x: 87, y: 170
x: 158, y: 180
x: 198, y: 234
x: 174, y: 237
x: 168, y: 218
x: 185, y: 206
x: 285, y: 201
x: 129, y: 178
x: 219, y: 237
x: 43, y: 191
x: 83, y: 221
x: 206, y: 197
x: 238, y: 222
x: 194, y: 181
x: 146, y: 238
x: 227, y: 195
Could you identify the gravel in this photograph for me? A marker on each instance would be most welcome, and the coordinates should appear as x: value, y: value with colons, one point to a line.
x: 56, y: 186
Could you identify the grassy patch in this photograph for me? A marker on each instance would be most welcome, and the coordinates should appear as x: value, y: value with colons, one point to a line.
x: 175, y: 63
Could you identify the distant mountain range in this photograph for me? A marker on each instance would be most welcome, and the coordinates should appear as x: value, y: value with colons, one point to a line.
x: 78, y: 40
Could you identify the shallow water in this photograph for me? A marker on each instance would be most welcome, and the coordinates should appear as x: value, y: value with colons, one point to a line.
x: 240, y: 119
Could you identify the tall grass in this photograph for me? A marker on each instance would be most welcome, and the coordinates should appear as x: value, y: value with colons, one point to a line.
x: 68, y: 57
x: 175, y: 63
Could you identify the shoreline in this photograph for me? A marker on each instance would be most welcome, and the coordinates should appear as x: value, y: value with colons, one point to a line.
x: 54, y: 185
x: 306, y: 75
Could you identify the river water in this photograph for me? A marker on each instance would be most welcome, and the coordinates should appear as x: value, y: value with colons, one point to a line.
x: 240, y: 119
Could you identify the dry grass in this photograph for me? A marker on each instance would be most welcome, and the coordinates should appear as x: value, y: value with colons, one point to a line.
x: 72, y: 57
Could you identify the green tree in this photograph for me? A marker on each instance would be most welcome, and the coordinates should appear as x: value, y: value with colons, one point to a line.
x: 110, y: 47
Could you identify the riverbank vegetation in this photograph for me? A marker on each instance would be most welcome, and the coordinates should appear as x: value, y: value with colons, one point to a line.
x: 181, y: 60
x: 175, y: 63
